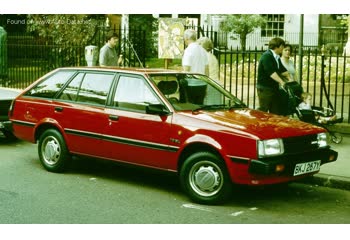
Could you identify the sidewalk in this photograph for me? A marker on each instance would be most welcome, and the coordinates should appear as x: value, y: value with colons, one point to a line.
x: 336, y: 174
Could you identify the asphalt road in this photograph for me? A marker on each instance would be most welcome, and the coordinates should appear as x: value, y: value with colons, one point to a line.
x: 95, y: 191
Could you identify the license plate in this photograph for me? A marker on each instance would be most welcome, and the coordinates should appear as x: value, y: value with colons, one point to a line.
x: 307, y: 167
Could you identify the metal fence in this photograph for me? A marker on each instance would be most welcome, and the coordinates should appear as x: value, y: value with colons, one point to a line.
x: 325, y: 74
x: 30, y: 57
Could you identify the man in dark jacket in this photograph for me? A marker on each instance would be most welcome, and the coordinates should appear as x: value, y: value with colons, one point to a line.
x: 270, y: 73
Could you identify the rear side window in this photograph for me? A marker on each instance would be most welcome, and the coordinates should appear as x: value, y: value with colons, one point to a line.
x: 94, y: 88
x: 49, y: 87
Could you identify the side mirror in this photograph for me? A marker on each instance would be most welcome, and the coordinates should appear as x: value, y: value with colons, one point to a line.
x: 157, y: 109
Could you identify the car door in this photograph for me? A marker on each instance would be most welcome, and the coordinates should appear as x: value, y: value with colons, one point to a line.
x: 133, y: 135
x: 80, y: 109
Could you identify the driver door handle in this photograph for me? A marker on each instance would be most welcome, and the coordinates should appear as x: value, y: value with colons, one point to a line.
x: 58, y: 109
x: 113, y: 117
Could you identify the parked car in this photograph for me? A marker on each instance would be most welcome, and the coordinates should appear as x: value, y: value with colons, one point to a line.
x: 7, y: 95
x: 169, y: 120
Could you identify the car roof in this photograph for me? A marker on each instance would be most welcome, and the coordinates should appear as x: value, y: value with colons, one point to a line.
x: 128, y: 70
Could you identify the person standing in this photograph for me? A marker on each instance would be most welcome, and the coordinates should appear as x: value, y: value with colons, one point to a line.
x: 288, y: 63
x: 108, y: 54
x: 270, y: 73
x: 212, y: 95
x: 213, y: 63
x: 195, y: 57
x: 294, y: 84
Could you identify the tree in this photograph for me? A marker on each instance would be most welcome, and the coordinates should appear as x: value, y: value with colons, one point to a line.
x: 71, y: 29
x: 68, y: 31
x: 148, y: 24
x: 242, y: 24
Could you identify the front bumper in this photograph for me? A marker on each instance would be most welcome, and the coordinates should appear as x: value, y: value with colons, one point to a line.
x: 271, y: 166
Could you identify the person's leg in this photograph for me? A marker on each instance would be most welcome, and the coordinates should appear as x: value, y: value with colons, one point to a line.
x: 265, y: 99
x: 277, y: 106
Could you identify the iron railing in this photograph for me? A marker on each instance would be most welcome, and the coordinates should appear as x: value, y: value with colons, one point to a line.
x: 238, y: 74
x: 29, y: 58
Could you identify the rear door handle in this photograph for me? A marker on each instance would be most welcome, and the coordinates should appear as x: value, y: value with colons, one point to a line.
x: 114, y: 117
x: 58, y: 109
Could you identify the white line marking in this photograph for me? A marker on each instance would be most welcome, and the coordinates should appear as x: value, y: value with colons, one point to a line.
x: 235, y: 214
x: 188, y: 205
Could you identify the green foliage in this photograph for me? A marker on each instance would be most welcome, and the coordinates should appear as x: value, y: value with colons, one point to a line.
x: 70, y: 29
x: 65, y: 31
x: 242, y: 24
x: 149, y: 25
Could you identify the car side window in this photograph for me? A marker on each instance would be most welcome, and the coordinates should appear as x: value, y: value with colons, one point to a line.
x: 134, y: 93
x: 50, y: 86
x: 94, y: 88
x: 71, y: 91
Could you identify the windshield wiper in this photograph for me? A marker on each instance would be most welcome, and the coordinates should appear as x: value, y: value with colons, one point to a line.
x: 208, y: 107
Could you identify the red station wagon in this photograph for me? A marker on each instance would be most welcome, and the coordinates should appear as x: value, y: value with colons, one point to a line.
x: 169, y: 120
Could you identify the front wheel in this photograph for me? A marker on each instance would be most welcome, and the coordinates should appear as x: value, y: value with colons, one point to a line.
x: 53, y: 152
x: 205, y: 179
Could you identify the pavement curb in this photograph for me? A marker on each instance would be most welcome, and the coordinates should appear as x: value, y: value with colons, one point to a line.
x: 326, y: 180
x: 343, y: 128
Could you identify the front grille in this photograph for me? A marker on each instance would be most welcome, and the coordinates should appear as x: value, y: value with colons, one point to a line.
x: 300, y: 144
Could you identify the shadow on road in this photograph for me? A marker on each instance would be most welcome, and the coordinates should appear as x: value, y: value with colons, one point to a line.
x: 125, y: 173
x: 7, y: 141
x: 245, y: 196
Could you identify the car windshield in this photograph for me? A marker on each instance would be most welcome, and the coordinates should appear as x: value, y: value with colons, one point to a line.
x: 192, y: 92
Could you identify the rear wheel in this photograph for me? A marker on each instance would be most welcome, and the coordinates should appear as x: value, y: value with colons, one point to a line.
x: 205, y: 179
x: 9, y: 135
x: 53, y: 152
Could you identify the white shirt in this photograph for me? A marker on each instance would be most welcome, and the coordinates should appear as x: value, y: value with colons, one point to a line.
x: 304, y: 106
x: 195, y: 57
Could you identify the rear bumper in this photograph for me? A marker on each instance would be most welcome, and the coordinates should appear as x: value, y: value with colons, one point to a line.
x: 269, y: 166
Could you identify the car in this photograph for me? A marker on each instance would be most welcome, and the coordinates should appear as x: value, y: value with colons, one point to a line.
x: 175, y: 121
x: 7, y: 95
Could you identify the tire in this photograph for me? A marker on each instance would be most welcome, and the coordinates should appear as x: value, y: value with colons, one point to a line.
x: 204, y: 178
x: 53, y: 152
x: 9, y: 135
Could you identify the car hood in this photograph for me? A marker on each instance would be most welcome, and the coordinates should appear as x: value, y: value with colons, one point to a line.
x: 257, y: 123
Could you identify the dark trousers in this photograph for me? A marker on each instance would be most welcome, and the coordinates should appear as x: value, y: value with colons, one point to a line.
x: 269, y: 100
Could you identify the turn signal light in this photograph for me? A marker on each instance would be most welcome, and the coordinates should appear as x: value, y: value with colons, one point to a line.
x: 280, y: 168
x: 331, y: 158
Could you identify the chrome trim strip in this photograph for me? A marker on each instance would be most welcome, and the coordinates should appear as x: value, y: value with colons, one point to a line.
x: 237, y: 159
x: 23, y: 123
x: 122, y: 140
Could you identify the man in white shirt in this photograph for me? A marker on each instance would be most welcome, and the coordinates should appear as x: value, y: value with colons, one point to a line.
x: 195, y: 58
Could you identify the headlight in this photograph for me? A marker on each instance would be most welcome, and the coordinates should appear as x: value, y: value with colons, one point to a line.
x: 271, y: 147
x: 322, y: 140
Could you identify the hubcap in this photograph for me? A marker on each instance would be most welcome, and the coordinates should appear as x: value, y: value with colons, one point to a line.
x: 206, y: 178
x: 51, y: 151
